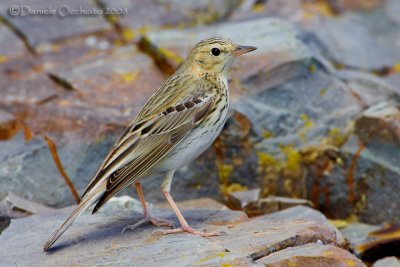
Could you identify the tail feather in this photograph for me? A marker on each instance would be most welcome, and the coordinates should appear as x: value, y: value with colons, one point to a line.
x: 84, y: 205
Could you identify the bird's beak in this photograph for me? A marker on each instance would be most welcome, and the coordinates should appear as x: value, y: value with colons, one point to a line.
x: 241, y: 49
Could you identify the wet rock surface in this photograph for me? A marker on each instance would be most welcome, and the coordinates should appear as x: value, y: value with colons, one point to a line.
x: 247, y: 241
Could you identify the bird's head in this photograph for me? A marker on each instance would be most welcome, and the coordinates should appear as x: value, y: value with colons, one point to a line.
x: 215, y: 55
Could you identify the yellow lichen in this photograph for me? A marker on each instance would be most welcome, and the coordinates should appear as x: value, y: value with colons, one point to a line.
x: 288, y: 185
x: 319, y: 8
x: 350, y: 262
x: 339, y: 223
x: 128, y: 34
x: 327, y: 253
x: 307, y: 122
x: 258, y: 8
x: 112, y: 19
x: 292, y: 262
x: 267, y: 134
x: 265, y: 159
x: 336, y: 138
x: 3, y: 59
x: 396, y: 67
x: 224, y: 170
x: 312, y: 68
x: 144, y: 29
x: 322, y: 92
x: 128, y: 77
x: 235, y: 187
x: 293, y: 159
x: 170, y: 55
x: 213, y: 256
x: 310, y: 154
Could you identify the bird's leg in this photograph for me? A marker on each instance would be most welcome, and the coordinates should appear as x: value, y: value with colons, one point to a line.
x: 165, y: 187
x: 147, y: 218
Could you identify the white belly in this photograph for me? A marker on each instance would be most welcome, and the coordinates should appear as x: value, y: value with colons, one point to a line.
x: 198, y: 141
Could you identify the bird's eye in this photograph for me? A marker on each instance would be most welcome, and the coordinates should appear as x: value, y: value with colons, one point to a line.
x: 215, y: 51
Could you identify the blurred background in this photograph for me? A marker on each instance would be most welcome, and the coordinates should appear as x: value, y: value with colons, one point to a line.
x: 314, y: 120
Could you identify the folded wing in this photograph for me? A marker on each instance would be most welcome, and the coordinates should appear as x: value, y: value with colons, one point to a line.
x: 146, y: 142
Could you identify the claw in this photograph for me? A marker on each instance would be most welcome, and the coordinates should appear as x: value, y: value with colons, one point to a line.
x: 190, y: 230
x: 156, y: 222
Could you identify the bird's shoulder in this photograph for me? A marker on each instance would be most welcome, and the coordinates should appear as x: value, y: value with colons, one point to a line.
x: 179, y: 89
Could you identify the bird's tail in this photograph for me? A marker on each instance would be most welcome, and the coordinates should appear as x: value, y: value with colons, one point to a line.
x: 89, y: 200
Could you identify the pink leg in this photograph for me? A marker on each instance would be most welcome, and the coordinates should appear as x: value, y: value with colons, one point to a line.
x: 147, y: 218
x: 184, y: 225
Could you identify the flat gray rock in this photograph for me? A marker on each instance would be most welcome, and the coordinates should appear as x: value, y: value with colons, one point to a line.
x: 362, y: 40
x: 387, y: 262
x: 312, y: 255
x: 9, y: 43
x: 40, y: 29
x: 144, y: 15
x: 373, y: 242
x: 97, y: 240
x: 123, y: 79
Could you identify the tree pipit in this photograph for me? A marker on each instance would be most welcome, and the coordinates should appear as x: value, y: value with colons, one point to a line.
x: 178, y: 123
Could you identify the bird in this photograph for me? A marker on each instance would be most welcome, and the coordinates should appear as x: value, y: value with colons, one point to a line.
x: 177, y: 124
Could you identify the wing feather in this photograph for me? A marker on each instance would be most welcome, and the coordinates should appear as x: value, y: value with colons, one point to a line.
x: 140, y: 148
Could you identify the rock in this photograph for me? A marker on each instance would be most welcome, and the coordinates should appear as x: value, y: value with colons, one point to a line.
x: 281, y: 120
x: 273, y: 204
x: 301, y: 11
x: 143, y: 16
x: 372, y: 242
x: 311, y: 255
x: 14, y: 206
x: 123, y: 80
x: 381, y: 122
x: 239, y: 199
x: 362, y: 40
x: 61, y: 25
x: 250, y: 202
x: 8, y: 125
x: 20, y: 91
x: 291, y: 10
x: 345, y: 5
x: 4, y: 222
x: 367, y: 88
x: 22, y: 171
x: 245, y: 240
x: 356, y: 233
x: 10, y: 44
x: 23, y: 205
x: 392, y: 8
x: 362, y: 175
x: 394, y: 80
x: 387, y: 262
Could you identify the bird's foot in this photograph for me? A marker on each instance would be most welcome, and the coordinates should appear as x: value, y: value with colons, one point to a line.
x: 190, y: 230
x: 148, y: 219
